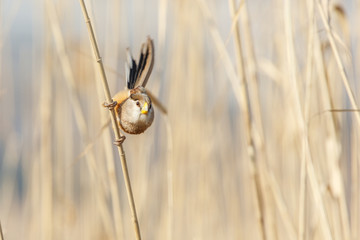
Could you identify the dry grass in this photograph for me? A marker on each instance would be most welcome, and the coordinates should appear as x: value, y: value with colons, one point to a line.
x: 256, y: 143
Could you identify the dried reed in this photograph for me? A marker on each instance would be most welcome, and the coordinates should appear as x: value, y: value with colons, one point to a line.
x: 113, y: 120
x: 260, y: 139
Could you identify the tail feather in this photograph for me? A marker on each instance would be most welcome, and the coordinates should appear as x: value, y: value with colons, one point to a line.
x: 138, y: 74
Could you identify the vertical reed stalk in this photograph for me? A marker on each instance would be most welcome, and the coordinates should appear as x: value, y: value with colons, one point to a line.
x: 250, y: 142
x: 46, y: 161
x: 111, y: 170
x: 113, y: 119
x: 353, y: 102
x: 170, y: 181
x: 303, y: 178
x: 339, y: 62
x: 78, y: 112
x: 306, y: 154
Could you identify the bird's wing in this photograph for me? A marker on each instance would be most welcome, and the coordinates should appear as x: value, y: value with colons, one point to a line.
x: 156, y: 102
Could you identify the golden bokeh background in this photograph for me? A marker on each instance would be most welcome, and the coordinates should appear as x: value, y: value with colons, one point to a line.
x: 260, y: 140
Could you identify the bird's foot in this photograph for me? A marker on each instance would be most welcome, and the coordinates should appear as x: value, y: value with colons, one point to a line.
x: 119, y: 141
x: 110, y: 106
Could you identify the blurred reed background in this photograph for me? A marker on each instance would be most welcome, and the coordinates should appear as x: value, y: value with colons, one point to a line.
x: 254, y: 145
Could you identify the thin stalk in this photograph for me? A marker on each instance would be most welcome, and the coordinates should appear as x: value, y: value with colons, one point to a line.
x: 111, y: 169
x: 113, y: 119
x: 170, y: 181
x: 333, y: 128
x: 306, y: 154
x: 244, y: 91
x: 80, y: 118
x: 354, y: 164
x: 338, y: 61
x: 303, y: 194
x: 46, y: 163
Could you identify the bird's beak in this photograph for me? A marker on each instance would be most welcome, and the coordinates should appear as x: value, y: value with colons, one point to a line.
x: 145, y: 108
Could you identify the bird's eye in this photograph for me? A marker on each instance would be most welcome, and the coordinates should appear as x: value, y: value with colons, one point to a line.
x: 138, y: 103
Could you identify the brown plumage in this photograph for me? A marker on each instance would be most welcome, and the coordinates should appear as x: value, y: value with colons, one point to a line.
x: 134, y: 112
x: 134, y: 107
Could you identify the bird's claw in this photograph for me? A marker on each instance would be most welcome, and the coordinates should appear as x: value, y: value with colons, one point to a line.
x: 119, y: 141
x: 110, y: 105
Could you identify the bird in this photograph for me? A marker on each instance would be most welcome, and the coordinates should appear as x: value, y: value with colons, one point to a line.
x: 133, y: 106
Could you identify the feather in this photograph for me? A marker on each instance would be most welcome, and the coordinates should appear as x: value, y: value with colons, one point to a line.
x: 130, y: 70
x: 146, y: 63
x: 138, y: 74
x: 120, y: 97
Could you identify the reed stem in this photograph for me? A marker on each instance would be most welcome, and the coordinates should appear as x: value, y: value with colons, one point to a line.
x: 113, y: 119
x: 247, y: 115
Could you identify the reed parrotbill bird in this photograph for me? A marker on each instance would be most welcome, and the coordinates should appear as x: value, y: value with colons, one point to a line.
x: 133, y: 108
